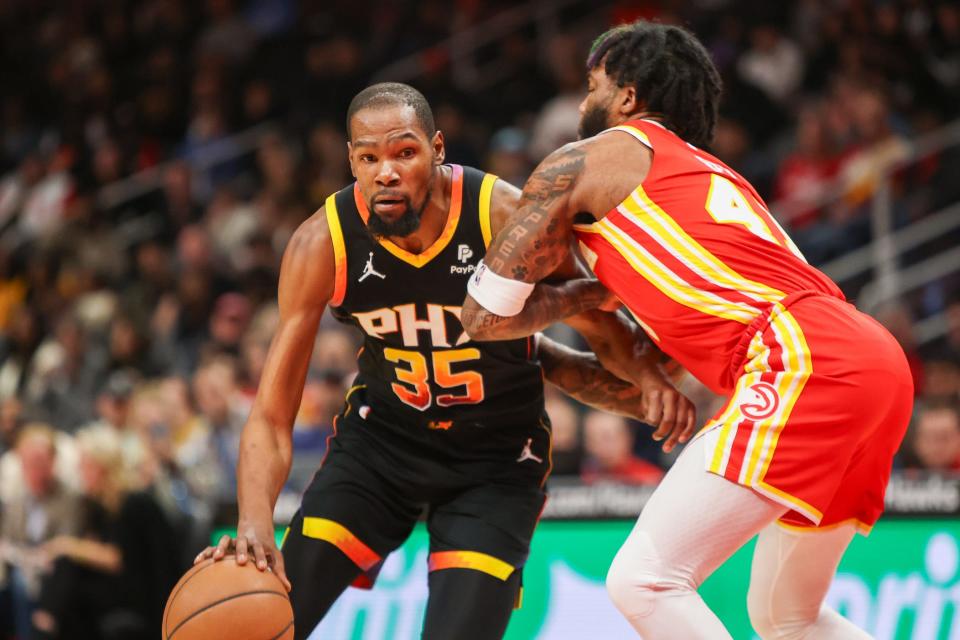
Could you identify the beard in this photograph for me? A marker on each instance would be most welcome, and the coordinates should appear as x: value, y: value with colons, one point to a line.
x: 593, y: 121
x: 401, y: 227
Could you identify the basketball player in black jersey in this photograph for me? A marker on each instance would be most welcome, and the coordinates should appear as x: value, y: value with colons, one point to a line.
x: 433, y: 421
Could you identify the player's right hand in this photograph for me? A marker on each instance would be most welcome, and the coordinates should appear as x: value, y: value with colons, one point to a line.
x: 671, y: 413
x: 249, y: 540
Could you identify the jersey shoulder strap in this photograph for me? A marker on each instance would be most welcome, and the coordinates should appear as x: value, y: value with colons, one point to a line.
x: 342, y: 219
x: 478, y: 191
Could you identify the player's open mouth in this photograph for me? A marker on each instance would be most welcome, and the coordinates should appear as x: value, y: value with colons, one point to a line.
x: 389, y: 205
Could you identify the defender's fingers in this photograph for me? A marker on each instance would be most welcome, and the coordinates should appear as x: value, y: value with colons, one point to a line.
x: 654, y: 412
x: 689, y: 422
x: 668, y: 421
x: 675, y: 430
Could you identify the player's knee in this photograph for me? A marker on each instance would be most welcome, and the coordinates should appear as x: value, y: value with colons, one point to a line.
x: 628, y: 588
x: 639, y: 577
x: 772, y: 622
x: 760, y: 612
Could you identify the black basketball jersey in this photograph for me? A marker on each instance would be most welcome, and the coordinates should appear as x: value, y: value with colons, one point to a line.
x: 417, y: 362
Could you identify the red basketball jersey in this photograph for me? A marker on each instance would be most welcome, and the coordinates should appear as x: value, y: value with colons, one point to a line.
x: 694, y: 253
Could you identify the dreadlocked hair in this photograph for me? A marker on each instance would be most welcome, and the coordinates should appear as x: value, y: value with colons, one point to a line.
x: 673, y: 75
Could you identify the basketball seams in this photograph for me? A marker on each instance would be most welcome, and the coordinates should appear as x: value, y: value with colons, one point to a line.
x: 283, y: 631
x: 173, y: 596
x: 221, y: 601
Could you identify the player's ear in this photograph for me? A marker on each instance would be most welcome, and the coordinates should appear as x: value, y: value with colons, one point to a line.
x: 628, y: 103
x: 350, y: 159
x: 439, y: 151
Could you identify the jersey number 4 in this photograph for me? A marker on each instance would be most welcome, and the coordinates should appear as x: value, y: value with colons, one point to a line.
x: 413, y: 377
x: 728, y: 205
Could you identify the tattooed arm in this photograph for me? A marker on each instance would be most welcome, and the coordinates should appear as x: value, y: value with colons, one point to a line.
x: 534, y: 242
x: 581, y: 376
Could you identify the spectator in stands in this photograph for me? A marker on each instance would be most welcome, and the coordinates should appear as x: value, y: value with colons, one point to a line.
x: 608, y: 441
x: 941, y: 376
x: 44, y: 510
x: 508, y: 156
x: 231, y: 316
x: 64, y: 386
x: 936, y: 436
x: 216, y: 394
x: 11, y: 412
x: 878, y: 145
x: 897, y: 319
x: 323, y: 395
x: 557, y: 122
x: 335, y: 350
x: 327, y: 168
x: 773, y: 63
x: 951, y: 341
x: 112, y: 580
x: 807, y: 171
x: 17, y: 347
x: 113, y: 401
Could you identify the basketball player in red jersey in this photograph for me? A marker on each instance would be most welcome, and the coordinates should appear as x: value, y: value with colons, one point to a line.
x: 820, y: 394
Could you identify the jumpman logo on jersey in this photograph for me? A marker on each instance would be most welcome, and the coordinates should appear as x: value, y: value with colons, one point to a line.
x: 368, y: 270
x: 527, y: 454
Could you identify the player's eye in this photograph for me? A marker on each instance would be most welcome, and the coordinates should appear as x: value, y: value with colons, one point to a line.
x: 407, y: 153
x: 366, y: 157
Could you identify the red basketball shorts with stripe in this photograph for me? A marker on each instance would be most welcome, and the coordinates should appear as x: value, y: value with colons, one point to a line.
x: 822, y: 402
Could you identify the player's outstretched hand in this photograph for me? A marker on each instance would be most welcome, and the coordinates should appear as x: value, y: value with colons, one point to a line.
x: 249, y: 542
x: 671, y: 414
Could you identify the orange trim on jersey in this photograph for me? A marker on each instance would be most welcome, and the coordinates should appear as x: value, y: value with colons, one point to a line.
x: 339, y: 252
x: 790, y: 501
x: 862, y: 527
x: 486, y: 195
x: 343, y: 539
x: 453, y: 217
x: 333, y: 433
x: 476, y: 560
x: 549, y: 458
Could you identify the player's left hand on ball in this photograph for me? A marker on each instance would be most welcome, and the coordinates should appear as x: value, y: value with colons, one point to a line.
x: 667, y: 410
x: 225, y: 546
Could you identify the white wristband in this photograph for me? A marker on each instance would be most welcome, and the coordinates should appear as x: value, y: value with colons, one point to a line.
x: 493, y: 292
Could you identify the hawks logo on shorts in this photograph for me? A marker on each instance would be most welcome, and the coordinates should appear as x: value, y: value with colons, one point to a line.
x: 759, y: 401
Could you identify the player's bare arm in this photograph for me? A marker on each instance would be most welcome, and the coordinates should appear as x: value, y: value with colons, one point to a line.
x: 570, y: 293
x: 604, y: 331
x: 581, y: 376
x: 578, y: 178
x: 531, y: 245
x: 266, y: 448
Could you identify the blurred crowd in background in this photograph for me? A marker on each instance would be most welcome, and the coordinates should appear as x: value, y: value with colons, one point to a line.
x: 155, y: 156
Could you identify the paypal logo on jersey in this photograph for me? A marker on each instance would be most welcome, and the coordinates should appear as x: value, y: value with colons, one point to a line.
x: 464, y: 253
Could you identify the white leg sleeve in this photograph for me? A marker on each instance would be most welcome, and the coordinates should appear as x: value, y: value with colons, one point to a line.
x: 789, y: 580
x: 694, y: 521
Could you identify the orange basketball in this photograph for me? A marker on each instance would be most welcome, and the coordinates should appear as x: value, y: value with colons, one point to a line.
x: 225, y: 601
